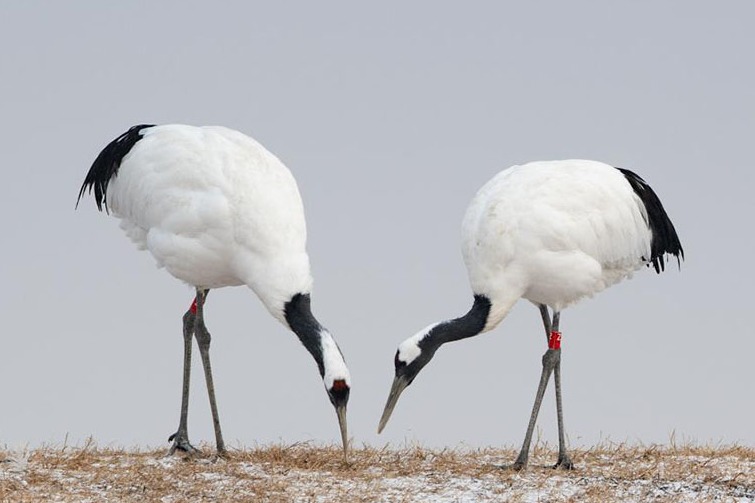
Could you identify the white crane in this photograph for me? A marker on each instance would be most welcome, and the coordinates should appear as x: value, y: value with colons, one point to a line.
x: 216, y: 209
x: 552, y: 233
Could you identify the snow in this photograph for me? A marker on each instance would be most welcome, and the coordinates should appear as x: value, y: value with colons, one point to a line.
x: 723, y: 478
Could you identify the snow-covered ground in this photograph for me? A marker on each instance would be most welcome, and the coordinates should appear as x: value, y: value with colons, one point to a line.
x: 311, y: 474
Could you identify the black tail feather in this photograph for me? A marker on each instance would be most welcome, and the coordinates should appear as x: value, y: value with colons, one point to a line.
x: 665, y: 239
x: 105, y: 167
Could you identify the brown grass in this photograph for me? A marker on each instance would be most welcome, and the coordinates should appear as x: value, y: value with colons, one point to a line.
x: 306, y: 472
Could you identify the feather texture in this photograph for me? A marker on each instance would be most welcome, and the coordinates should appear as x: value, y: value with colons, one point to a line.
x: 555, y: 232
x: 212, y: 205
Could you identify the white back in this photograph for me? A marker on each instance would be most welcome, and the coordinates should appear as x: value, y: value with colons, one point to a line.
x: 216, y: 209
x: 552, y: 232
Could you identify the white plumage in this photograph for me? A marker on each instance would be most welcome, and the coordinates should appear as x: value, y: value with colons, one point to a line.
x: 552, y: 233
x: 216, y: 209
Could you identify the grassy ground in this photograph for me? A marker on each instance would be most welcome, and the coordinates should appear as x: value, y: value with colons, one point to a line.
x: 305, y: 473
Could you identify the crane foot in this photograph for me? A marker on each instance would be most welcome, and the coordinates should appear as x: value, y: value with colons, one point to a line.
x: 181, y: 443
x: 564, y: 462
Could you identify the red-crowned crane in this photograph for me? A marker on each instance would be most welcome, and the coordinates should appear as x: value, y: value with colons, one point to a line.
x: 216, y: 209
x: 552, y: 233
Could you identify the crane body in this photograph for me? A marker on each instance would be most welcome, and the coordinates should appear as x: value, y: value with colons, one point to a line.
x: 553, y: 233
x: 216, y: 209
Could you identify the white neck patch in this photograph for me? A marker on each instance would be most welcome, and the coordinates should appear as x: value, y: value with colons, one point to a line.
x: 334, y: 366
x: 409, y: 350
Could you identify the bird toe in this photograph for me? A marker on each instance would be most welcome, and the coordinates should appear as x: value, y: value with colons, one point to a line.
x: 181, y: 443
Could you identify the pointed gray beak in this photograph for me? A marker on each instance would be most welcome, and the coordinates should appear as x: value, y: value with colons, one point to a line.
x: 399, y: 385
x: 341, y: 412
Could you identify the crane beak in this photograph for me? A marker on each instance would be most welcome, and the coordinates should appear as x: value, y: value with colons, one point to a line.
x: 341, y: 413
x: 339, y: 397
x: 399, y: 385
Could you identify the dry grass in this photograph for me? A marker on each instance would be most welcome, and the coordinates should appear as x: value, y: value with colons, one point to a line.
x: 305, y: 473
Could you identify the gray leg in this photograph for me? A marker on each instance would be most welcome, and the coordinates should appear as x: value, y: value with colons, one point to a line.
x: 549, y: 362
x: 180, y: 438
x: 203, y: 341
x: 563, y: 458
x: 546, y: 320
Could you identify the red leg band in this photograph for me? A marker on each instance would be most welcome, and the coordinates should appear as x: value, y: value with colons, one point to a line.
x: 554, y: 342
x: 193, y: 307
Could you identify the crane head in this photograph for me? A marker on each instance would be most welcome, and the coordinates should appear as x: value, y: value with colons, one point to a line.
x: 411, y: 357
x: 417, y: 351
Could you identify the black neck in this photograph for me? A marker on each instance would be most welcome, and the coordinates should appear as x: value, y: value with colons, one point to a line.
x: 465, y: 326
x: 299, y: 317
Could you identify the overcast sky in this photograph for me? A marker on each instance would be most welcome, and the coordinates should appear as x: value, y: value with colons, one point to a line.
x: 390, y: 116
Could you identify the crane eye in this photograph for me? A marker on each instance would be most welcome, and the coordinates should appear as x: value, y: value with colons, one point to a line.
x: 398, y: 363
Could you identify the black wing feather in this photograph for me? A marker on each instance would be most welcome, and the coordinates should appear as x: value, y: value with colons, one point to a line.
x: 664, y: 238
x: 105, y: 167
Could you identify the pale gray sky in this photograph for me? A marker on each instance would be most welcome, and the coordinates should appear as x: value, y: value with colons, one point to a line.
x: 390, y: 116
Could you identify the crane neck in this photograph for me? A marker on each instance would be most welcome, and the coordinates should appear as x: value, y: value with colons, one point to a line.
x: 298, y: 315
x: 459, y: 328
x: 465, y: 326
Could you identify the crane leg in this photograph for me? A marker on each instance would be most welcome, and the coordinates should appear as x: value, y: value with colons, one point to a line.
x: 563, y: 458
x: 551, y: 363
x: 203, y: 341
x: 564, y: 461
x: 180, y: 438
